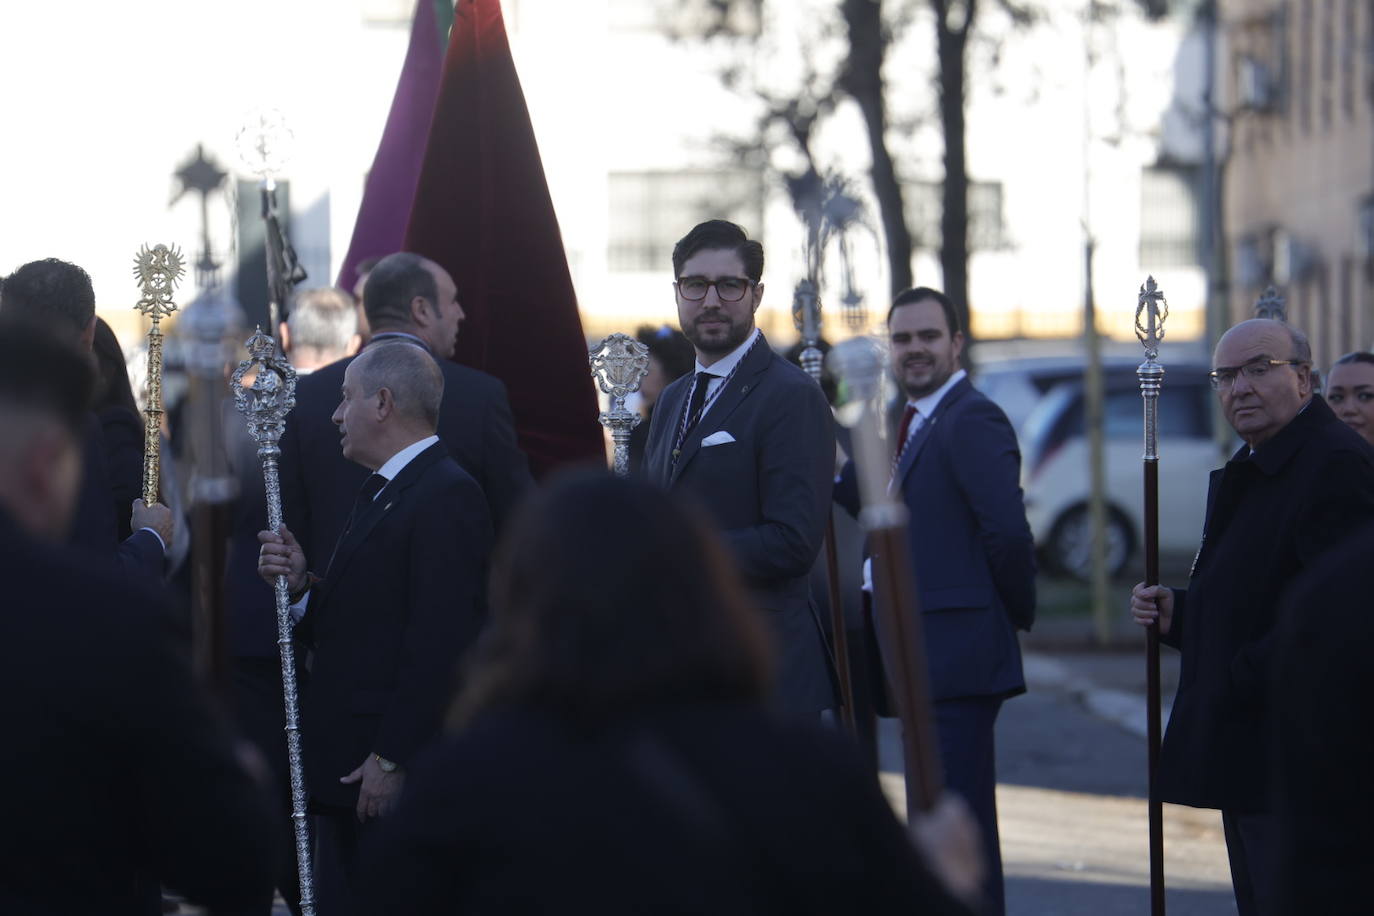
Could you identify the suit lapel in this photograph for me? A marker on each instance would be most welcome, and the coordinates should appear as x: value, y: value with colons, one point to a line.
x: 746, y: 379
x: 390, y: 495
x: 918, y: 441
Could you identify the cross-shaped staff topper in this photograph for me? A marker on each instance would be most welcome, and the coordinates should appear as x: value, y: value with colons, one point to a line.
x: 1150, y: 312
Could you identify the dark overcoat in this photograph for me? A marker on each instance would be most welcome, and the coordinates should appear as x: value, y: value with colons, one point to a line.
x: 1270, y: 516
x: 124, y: 779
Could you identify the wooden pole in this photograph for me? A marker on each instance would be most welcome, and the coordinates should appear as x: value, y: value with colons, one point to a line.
x: 1151, y: 310
x: 897, y: 612
x: 841, y: 635
x: 899, y: 619
x: 1152, y: 691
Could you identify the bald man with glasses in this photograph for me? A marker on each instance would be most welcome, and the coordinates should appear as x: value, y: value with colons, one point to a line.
x: 1300, y: 483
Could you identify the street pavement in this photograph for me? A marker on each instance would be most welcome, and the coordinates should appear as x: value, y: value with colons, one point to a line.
x: 1071, y: 796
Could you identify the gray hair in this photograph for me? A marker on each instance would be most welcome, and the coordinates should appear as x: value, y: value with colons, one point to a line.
x: 408, y: 372
x: 1302, y: 347
x: 323, y: 318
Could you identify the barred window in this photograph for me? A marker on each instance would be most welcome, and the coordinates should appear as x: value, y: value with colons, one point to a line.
x: 650, y: 211
x: 925, y: 208
x: 1170, y: 216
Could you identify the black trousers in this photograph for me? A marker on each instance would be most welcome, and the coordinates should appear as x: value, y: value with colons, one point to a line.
x: 1252, y: 845
x: 338, y: 839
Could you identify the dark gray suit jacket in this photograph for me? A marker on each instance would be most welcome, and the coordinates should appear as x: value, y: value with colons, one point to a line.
x: 769, y: 491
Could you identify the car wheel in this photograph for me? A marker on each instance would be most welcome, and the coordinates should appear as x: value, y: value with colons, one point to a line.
x: 1069, y: 549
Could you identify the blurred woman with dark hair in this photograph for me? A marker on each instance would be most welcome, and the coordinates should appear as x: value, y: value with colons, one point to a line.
x: 120, y: 422
x: 613, y: 751
x: 1350, y: 392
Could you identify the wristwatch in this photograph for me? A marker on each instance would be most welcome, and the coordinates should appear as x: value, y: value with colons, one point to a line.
x: 386, y: 766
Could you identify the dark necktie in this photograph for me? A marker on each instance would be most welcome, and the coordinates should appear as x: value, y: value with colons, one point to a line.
x: 903, y: 433
x: 371, y: 487
x: 698, y: 402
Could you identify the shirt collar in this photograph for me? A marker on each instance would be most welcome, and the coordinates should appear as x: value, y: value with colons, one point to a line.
x: 398, y: 335
x: 926, y: 405
x: 397, y: 462
x: 726, y: 364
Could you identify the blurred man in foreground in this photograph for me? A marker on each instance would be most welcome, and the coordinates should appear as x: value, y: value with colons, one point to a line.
x: 58, y: 297
x: 123, y: 779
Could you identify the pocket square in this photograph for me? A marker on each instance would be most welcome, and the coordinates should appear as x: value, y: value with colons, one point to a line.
x: 720, y: 437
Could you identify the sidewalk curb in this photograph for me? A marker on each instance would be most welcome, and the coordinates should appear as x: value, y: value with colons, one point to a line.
x: 1122, y: 708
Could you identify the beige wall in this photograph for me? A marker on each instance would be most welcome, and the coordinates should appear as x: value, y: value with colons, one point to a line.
x: 1304, y: 166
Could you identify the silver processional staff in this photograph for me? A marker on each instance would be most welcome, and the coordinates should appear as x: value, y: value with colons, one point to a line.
x: 265, y: 403
x: 619, y: 363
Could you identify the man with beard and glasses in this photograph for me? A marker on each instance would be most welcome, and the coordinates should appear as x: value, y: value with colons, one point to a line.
x: 958, y: 469
x: 751, y: 438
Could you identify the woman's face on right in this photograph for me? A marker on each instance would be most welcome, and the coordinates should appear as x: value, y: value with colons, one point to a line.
x: 1350, y: 392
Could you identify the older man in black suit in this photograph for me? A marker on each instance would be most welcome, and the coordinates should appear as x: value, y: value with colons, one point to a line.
x: 408, y: 298
x: 1300, y: 484
x: 401, y: 598
x: 123, y: 778
x: 750, y: 437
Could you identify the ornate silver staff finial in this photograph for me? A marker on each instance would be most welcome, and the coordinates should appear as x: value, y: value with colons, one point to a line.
x: 265, y: 402
x: 265, y: 143
x: 158, y: 270
x: 269, y: 397
x: 1271, y: 304
x: 1150, y: 313
x: 619, y: 364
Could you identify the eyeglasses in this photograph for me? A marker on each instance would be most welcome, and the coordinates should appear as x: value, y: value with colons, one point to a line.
x: 1223, y: 377
x: 729, y: 289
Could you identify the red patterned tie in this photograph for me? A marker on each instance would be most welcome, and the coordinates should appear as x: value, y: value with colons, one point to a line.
x: 903, y: 433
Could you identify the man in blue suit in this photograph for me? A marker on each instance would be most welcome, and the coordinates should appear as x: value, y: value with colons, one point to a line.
x: 958, y: 469
x: 749, y: 436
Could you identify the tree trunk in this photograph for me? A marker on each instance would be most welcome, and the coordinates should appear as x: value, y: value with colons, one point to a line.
x: 951, y: 43
x: 863, y: 80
